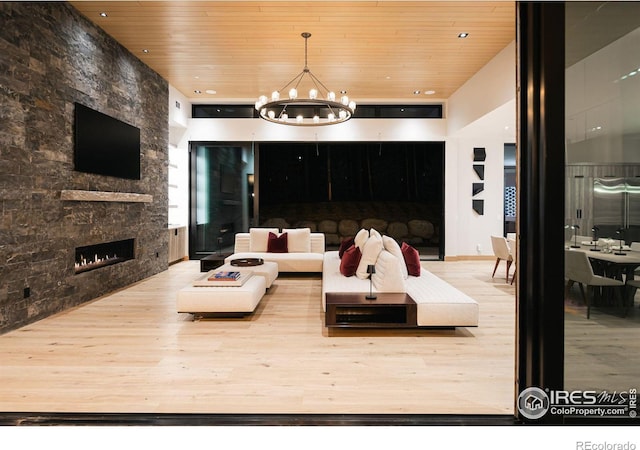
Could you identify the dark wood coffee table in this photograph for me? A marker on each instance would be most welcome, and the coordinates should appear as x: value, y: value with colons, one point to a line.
x: 213, y: 261
x: 353, y: 310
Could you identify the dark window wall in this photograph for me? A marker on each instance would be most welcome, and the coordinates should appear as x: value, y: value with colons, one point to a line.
x: 395, y: 187
x: 293, y: 173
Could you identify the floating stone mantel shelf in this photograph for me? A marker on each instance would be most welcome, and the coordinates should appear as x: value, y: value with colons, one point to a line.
x: 102, y: 196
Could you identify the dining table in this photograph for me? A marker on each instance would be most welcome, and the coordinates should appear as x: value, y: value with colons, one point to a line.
x: 618, y: 262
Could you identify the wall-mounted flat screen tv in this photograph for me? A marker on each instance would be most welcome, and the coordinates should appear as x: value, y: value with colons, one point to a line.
x: 105, y: 145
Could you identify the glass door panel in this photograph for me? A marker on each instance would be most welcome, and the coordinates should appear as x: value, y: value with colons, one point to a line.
x: 602, y: 148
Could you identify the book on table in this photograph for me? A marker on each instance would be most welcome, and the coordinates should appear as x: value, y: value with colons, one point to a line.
x: 225, y: 276
x: 210, y: 280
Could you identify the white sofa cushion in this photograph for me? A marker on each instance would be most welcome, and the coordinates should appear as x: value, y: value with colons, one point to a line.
x: 392, y: 246
x: 259, y: 238
x: 361, y: 238
x: 298, y: 239
x: 370, y: 252
x: 388, y: 276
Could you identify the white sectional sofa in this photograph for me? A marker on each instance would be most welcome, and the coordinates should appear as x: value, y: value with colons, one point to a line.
x: 438, y: 303
x: 305, y: 252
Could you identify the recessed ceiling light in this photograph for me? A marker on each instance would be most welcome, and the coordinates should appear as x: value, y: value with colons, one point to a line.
x: 463, y: 35
x: 198, y: 91
x: 103, y: 14
x: 343, y: 92
x: 145, y: 50
x: 430, y: 92
x: 211, y: 91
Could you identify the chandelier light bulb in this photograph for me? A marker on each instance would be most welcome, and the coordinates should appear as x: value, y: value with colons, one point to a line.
x: 352, y: 105
x: 275, y: 96
x: 331, y: 96
x: 299, y: 118
x: 316, y: 119
x: 345, y: 100
x: 331, y: 117
x: 271, y: 114
x: 313, y: 94
x: 293, y: 93
x: 284, y: 117
x: 343, y: 114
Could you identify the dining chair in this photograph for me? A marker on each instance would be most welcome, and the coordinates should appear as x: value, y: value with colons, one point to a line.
x: 512, y: 250
x: 632, y: 285
x: 501, y: 251
x: 578, y: 269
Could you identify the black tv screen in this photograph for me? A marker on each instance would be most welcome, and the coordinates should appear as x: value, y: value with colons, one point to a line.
x: 105, y: 145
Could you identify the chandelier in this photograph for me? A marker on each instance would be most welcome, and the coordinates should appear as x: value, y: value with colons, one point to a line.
x: 311, y: 111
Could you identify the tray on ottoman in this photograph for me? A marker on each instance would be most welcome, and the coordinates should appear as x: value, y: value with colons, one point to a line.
x: 246, y: 262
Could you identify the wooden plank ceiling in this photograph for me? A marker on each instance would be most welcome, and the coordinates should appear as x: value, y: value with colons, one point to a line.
x: 377, y: 51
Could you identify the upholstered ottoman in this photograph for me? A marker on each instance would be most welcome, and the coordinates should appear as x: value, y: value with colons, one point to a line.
x: 268, y: 270
x: 222, y: 299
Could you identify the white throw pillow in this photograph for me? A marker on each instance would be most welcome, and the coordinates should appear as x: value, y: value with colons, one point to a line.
x: 392, y: 246
x: 388, y: 276
x: 258, y: 238
x: 298, y: 239
x: 361, y: 237
x: 370, y: 252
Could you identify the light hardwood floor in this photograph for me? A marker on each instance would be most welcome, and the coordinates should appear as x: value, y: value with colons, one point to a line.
x: 131, y: 352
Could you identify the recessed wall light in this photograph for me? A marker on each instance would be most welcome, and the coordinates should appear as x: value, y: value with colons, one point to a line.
x: 463, y: 35
x: 103, y: 14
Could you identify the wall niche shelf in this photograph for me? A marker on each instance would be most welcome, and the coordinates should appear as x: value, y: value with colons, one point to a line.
x: 102, y: 196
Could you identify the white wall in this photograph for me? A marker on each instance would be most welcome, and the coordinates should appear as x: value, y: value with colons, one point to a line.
x: 466, y: 232
x: 258, y: 130
x: 482, y: 113
x: 490, y: 88
x: 178, y: 189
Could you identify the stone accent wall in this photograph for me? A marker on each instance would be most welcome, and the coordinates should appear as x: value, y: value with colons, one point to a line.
x: 50, y: 57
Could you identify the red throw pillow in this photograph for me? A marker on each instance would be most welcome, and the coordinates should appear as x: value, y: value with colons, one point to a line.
x: 411, y: 259
x: 277, y: 244
x: 344, y: 245
x: 350, y: 260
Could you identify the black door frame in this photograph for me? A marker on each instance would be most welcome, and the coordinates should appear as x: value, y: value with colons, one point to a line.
x: 541, y: 160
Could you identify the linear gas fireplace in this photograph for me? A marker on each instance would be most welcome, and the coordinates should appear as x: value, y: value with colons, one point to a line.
x: 93, y: 257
